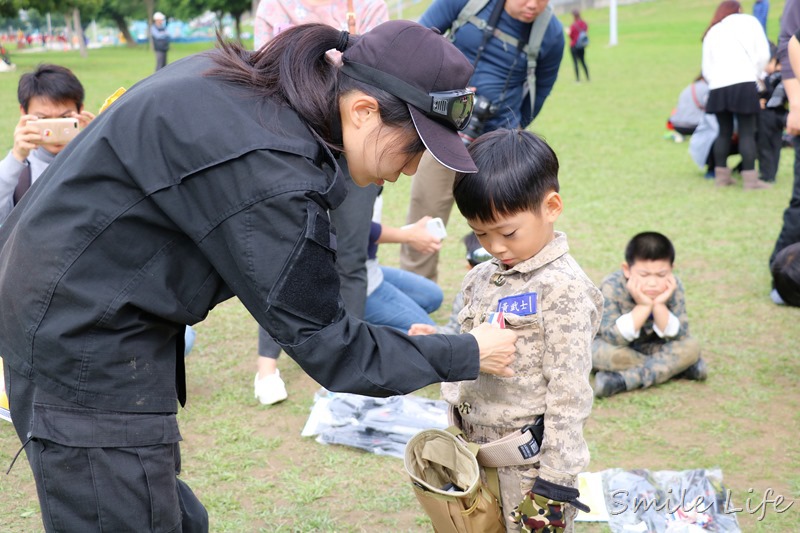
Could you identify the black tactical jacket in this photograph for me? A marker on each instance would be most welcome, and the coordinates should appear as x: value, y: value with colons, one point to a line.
x: 187, y: 191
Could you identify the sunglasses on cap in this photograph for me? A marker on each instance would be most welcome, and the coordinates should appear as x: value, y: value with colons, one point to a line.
x: 454, y: 108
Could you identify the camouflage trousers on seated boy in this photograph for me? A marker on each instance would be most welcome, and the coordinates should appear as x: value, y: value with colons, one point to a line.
x: 647, y: 363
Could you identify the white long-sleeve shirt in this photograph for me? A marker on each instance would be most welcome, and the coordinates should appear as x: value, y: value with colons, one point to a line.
x: 10, y: 169
x: 735, y: 50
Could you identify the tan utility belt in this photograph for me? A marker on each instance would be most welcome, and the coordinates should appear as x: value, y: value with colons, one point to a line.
x: 520, y: 447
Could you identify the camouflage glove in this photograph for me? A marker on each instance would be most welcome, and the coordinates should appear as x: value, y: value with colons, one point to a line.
x: 542, y: 510
x: 537, y: 514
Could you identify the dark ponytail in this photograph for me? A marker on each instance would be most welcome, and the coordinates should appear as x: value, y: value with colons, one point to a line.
x: 293, y: 69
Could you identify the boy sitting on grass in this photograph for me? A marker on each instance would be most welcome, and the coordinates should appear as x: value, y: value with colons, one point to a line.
x: 511, y: 204
x: 644, y: 336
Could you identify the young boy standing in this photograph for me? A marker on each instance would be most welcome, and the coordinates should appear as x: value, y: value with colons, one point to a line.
x: 511, y: 204
x: 644, y: 337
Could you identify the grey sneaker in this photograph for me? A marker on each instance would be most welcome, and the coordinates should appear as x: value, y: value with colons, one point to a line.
x: 696, y: 372
x: 608, y: 384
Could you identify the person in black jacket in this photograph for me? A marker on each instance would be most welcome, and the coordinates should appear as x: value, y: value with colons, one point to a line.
x: 211, y: 181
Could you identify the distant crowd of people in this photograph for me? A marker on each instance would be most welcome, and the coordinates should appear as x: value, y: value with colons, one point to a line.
x: 23, y: 40
x: 740, y: 104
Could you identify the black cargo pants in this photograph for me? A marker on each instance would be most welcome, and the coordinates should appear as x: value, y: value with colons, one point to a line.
x: 102, y: 471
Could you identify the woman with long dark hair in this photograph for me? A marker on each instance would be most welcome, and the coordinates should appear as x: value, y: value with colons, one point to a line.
x: 735, y: 52
x: 210, y: 179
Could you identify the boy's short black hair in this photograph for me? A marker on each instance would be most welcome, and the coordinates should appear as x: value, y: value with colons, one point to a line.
x: 786, y: 274
x: 53, y: 82
x: 649, y: 246
x: 516, y: 171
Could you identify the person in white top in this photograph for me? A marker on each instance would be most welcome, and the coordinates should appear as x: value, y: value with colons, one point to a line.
x: 735, y: 52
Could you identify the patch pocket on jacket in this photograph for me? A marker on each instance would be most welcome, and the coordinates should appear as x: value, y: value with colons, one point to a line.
x: 468, y: 319
x: 525, y: 322
x: 309, y: 284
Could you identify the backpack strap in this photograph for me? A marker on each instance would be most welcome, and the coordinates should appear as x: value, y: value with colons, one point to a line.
x: 538, y: 28
x: 532, y: 50
x: 467, y: 13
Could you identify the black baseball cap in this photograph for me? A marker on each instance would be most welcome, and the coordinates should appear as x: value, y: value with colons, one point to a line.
x: 419, y: 65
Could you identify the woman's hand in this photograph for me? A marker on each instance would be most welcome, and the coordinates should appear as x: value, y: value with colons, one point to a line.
x: 497, y: 349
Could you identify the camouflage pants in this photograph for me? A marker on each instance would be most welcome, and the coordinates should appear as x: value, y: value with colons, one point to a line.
x: 645, y: 364
x: 515, y: 481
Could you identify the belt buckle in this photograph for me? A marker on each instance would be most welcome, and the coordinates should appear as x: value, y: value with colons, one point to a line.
x: 536, y: 428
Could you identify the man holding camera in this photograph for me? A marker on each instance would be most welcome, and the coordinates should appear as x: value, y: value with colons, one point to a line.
x: 50, y: 91
x: 516, y: 48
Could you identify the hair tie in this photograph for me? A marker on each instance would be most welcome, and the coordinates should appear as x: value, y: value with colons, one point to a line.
x: 341, y: 44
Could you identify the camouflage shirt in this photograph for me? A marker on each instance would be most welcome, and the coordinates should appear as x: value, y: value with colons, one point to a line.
x: 618, y: 301
x: 557, y: 315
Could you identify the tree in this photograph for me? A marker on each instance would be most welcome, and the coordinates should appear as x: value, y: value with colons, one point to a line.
x: 119, y: 12
x: 9, y: 9
x: 71, y: 9
x: 236, y: 8
x: 187, y: 9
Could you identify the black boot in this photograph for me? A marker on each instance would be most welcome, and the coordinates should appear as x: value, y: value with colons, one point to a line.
x: 696, y: 372
x: 608, y: 384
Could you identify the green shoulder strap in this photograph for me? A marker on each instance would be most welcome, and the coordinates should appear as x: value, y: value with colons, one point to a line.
x: 468, y: 12
x: 532, y: 49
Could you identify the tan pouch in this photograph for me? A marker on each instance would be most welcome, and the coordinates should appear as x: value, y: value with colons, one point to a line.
x: 446, y: 479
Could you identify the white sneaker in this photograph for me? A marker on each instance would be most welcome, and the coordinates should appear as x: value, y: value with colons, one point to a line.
x: 270, y: 389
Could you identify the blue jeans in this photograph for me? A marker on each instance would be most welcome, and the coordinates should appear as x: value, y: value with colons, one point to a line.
x: 403, y: 299
x: 188, y: 339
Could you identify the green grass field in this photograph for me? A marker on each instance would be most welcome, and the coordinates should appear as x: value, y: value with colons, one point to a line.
x: 618, y: 176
